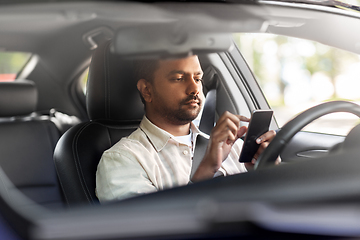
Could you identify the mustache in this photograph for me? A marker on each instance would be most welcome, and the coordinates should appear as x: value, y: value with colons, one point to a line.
x: 191, y: 98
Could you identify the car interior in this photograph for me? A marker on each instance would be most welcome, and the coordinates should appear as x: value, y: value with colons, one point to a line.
x: 32, y: 139
x: 52, y: 134
x: 115, y: 110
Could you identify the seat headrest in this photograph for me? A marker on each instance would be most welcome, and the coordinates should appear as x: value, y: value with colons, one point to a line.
x: 111, y: 89
x: 17, y: 98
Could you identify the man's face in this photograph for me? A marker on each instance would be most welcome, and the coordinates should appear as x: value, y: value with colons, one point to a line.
x: 177, y: 89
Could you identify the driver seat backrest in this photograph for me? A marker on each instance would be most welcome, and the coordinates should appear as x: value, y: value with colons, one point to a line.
x: 115, y: 110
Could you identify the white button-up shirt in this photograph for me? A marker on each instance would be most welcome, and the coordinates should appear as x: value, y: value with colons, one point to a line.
x: 149, y: 160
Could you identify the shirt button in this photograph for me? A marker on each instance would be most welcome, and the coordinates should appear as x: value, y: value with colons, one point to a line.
x: 185, y: 152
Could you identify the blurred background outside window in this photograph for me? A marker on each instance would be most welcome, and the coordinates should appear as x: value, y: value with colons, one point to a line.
x: 83, y: 80
x: 297, y: 74
x: 11, y: 63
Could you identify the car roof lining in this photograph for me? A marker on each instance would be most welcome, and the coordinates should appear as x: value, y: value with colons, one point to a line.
x: 299, y: 20
x: 313, y: 24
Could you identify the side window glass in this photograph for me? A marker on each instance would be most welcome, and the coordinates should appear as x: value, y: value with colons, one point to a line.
x: 11, y: 63
x: 297, y: 74
x: 83, y: 80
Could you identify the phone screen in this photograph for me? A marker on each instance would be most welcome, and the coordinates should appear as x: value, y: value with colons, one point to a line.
x: 259, y: 124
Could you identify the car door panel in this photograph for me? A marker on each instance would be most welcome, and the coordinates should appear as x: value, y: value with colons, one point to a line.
x: 308, y: 145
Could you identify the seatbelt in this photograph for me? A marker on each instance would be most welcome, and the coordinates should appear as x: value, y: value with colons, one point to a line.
x: 206, y: 125
x: 208, y: 115
x: 200, y: 149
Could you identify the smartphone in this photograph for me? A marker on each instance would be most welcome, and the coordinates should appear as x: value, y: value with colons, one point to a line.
x: 259, y: 124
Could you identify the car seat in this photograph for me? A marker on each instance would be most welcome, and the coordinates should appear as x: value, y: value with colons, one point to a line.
x: 114, y: 109
x: 27, y: 142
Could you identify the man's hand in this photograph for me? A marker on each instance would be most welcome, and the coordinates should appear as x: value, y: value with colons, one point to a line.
x: 222, y: 138
x: 264, y: 141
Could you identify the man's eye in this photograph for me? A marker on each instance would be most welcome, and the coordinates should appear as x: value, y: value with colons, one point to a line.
x: 177, y: 79
x: 198, y: 80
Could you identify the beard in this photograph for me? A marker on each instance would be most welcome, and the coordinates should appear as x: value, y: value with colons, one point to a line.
x: 183, y: 113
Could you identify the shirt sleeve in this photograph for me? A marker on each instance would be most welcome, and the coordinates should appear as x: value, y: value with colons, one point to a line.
x: 231, y: 165
x: 121, y: 176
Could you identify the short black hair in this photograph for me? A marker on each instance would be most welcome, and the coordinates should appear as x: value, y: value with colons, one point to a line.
x: 145, y: 69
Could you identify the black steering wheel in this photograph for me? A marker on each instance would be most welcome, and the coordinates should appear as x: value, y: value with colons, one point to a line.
x: 270, y: 154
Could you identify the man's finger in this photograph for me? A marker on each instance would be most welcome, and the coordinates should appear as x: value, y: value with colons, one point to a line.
x: 268, y: 136
x: 229, y: 116
x: 243, y: 118
x: 242, y: 130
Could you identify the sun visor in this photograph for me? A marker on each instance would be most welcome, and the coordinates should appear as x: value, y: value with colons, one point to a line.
x: 165, y: 41
x: 183, y: 31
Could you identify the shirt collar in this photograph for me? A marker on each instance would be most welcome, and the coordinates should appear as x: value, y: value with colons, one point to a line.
x: 159, y: 137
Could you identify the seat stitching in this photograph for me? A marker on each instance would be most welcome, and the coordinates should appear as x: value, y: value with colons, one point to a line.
x: 107, y: 95
x: 61, y: 185
x: 77, y: 162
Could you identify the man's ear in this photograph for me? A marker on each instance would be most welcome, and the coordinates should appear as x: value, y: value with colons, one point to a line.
x: 144, y: 88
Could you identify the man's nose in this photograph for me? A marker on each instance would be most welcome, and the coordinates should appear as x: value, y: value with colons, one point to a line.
x: 194, y: 86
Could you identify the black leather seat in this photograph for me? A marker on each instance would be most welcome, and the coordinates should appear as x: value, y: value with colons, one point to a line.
x: 27, y: 142
x: 115, y: 110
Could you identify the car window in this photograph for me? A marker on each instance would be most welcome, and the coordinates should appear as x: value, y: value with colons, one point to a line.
x: 296, y: 74
x: 84, y: 79
x: 11, y: 63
